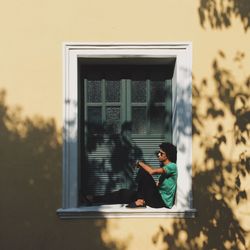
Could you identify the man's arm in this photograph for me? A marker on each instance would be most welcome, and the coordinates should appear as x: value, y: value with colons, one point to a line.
x: 151, y: 170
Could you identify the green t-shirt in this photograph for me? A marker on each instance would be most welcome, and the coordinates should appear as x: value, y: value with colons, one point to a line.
x: 168, y: 184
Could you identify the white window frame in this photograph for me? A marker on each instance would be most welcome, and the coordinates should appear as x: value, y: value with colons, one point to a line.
x: 181, y: 103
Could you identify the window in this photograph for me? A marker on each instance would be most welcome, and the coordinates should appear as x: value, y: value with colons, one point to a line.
x: 121, y: 120
x: 120, y: 102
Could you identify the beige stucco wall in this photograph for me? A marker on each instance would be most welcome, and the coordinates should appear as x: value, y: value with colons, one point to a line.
x: 32, y: 34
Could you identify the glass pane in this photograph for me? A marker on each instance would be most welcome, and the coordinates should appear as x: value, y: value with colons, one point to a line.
x: 113, y: 119
x: 139, y: 119
x: 94, y: 115
x: 157, y: 119
x: 139, y: 93
x: 94, y: 91
x: 158, y: 91
x: 113, y: 91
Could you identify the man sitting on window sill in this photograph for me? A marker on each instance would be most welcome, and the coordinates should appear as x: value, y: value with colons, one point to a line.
x: 149, y: 193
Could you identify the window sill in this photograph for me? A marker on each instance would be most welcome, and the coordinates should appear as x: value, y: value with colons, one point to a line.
x: 120, y: 211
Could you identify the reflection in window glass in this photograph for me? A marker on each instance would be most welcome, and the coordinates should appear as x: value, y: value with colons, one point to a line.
x: 113, y: 91
x: 94, y: 93
x: 139, y: 91
x: 157, y: 119
x: 94, y: 115
x: 139, y: 120
x: 113, y: 118
x: 158, y: 91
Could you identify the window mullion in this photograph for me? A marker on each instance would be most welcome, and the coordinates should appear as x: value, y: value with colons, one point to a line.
x: 128, y: 100
x: 124, y: 102
x: 85, y: 98
x: 103, y: 81
x: 168, y: 107
x: 148, y: 105
x: 85, y: 109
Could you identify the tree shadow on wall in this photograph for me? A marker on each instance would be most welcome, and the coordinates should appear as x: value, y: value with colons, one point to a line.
x: 30, y: 184
x: 219, y: 14
x: 220, y: 121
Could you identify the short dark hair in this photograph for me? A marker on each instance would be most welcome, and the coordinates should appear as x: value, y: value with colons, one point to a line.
x: 170, y: 151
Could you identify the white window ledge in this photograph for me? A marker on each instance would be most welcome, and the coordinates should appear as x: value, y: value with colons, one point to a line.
x: 120, y: 211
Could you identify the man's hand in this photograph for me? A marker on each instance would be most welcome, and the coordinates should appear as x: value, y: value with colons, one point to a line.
x: 137, y: 164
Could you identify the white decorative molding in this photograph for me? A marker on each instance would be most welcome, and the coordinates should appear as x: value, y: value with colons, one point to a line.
x: 181, y: 109
x: 120, y: 211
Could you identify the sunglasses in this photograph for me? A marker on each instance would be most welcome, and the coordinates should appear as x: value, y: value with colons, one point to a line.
x: 159, y: 153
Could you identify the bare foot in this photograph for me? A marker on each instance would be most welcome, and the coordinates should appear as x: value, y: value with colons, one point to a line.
x: 90, y: 197
x: 87, y: 198
x: 139, y: 202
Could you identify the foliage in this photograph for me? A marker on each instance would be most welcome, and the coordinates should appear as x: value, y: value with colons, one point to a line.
x: 220, y: 13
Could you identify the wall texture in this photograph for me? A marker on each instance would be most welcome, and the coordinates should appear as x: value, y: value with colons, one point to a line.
x: 32, y: 34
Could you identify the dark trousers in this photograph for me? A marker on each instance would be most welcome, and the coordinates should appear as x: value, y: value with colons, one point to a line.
x: 147, y: 190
